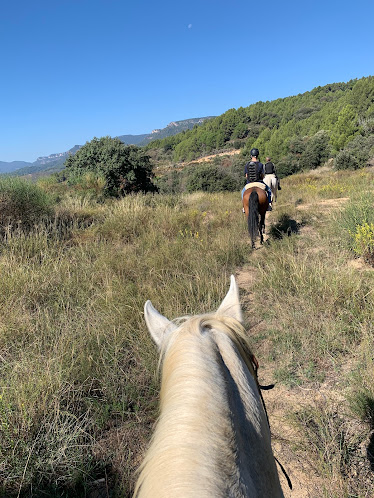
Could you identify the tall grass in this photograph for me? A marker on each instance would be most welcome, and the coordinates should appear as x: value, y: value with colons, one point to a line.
x: 318, y: 313
x: 22, y: 204
x: 76, y: 362
x: 79, y: 393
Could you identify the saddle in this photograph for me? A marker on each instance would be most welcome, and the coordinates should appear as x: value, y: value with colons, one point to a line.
x: 255, y: 184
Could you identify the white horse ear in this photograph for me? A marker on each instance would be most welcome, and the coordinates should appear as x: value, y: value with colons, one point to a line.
x: 157, y: 324
x: 230, y: 306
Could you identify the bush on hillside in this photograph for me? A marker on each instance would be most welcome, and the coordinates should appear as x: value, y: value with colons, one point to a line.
x: 345, y: 160
x: 317, y: 150
x: 345, y: 128
x: 288, y: 166
x: 22, y: 204
x: 126, y: 169
x: 221, y: 175
x: 210, y: 179
x: 362, y: 147
x: 170, y: 183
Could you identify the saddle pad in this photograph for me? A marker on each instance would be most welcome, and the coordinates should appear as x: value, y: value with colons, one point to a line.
x: 255, y: 184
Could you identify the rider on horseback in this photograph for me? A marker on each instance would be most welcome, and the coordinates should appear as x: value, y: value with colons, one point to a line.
x: 254, y: 172
x: 269, y: 169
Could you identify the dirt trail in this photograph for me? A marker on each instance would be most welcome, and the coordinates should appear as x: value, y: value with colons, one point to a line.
x: 209, y: 158
x: 281, y: 401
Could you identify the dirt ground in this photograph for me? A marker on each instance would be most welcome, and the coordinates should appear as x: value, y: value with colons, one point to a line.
x: 282, y: 401
x: 279, y: 402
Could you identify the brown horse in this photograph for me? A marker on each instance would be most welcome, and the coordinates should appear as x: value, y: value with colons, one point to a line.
x: 255, y: 203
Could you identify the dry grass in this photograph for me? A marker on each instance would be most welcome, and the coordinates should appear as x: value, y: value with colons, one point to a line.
x: 79, y: 393
x: 313, y: 319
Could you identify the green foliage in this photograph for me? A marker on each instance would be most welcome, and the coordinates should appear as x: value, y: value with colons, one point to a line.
x: 364, y: 241
x: 317, y: 150
x: 357, y: 221
x: 170, y: 183
x: 240, y: 131
x: 22, y: 204
x: 345, y: 160
x: 288, y: 165
x: 298, y: 132
x: 222, y: 174
x: 362, y: 148
x: 126, y: 169
x: 346, y: 127
x: 210, y: 179
x: 88, y: 184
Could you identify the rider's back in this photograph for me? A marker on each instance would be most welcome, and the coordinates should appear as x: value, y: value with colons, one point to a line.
x: 254, y: 171
x: 269, y: 168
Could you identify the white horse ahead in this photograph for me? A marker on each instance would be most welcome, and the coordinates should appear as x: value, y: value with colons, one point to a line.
x: 272, y: 182
x: 212, y: 438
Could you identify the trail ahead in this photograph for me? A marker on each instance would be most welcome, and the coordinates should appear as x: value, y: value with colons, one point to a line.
x: 282, y: 401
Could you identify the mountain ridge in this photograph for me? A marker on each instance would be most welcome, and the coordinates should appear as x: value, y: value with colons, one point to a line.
x: 55, y: 161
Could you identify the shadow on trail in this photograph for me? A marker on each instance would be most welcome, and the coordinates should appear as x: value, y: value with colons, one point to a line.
x: 284, y: 226
x: 370, y: 452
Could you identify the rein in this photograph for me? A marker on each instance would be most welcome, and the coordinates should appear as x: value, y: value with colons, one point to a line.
x: 255, y: 366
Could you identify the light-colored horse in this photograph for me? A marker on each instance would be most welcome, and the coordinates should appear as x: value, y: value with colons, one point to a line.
x: 212, y: 438
x: 272, y: 182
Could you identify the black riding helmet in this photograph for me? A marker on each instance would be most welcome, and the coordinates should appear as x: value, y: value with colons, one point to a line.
x: 255, y: 152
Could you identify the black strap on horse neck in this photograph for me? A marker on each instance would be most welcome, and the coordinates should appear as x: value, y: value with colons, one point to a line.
x: 267, y: 388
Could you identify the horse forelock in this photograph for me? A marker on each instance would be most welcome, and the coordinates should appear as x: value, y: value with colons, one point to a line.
x: 211, y: 324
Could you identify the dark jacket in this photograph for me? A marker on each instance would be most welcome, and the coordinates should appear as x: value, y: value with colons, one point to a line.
x: 269, y: 168
x: 254, y: 171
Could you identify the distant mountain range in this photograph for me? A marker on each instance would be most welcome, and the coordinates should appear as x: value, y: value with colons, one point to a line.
x: 55, y: 162
x: 172, y: 128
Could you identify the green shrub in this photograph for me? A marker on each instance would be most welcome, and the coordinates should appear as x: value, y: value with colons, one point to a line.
x: 210, y: 179
x: 126, y: 169
x: 317, y: 150
x: 88, y: 184
x: 345, y: 160
x: 22, y: 203
x: 359, y: 212
x: 288, y: 166
x: 170, y: 183
x: 364, y: 241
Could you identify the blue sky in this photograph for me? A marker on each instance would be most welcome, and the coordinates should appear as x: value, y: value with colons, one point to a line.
x: 75, y: 69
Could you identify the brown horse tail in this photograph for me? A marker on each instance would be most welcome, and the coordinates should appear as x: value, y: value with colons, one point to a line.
x: 253, y: 215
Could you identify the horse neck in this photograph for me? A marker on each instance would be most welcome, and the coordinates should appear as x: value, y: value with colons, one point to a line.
x: 210, y: 411
x: 199, y: 366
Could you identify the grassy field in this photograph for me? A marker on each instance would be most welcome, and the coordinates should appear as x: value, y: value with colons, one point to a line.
x: 79, y: 390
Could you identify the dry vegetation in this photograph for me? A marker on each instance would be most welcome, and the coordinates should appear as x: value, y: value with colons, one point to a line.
x: 78, y: 395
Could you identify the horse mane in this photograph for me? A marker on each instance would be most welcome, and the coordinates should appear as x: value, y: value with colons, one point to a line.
x: 192, y: 359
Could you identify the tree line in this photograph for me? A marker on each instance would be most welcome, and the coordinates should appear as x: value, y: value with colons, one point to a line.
x: 298, y: 133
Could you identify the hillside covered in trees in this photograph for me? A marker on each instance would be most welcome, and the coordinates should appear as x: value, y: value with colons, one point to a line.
x: 298, y: 132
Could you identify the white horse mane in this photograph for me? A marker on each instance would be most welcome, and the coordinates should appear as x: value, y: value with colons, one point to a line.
x: 212, y: 438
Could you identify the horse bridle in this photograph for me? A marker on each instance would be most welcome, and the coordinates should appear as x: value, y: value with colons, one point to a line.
x: 255, y: 366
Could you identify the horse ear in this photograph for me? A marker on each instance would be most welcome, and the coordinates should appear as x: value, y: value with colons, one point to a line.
x: 157, y: 324
x: 230, y: 306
